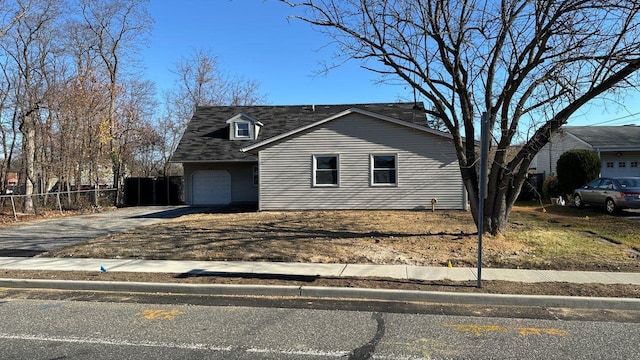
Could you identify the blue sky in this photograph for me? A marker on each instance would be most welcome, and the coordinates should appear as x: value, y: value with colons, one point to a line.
x: 255, y: 40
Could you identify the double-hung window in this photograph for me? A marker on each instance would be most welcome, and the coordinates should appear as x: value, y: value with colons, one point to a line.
x: 384, y: 170
x: 242, y: 130
x: 326, y: 170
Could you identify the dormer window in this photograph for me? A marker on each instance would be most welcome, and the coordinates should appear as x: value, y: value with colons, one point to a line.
x: 243, y: 127
x: 242, y: 130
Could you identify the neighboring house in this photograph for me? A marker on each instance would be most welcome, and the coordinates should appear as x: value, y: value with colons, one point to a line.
x: 366, y: 156
x: 617, y: 146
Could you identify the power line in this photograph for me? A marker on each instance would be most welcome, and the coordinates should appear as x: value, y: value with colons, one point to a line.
x: 616, y: 119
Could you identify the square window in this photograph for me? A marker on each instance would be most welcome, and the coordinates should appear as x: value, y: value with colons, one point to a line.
x: 325, y: 170
x: 622, y: 164
x: 633, y: 164
x: 242, y: 130
x: 384, y: 169
x: 609, y: 164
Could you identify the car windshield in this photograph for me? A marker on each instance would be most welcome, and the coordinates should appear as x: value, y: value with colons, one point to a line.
x: 629, y: 182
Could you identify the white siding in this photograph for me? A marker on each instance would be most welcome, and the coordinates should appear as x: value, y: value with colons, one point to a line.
x: 547, y: 158
x: 242, y: 188
x: 427, y: 168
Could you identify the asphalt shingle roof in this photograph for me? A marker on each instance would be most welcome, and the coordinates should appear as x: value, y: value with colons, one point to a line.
x: 607, y: 136
x: 206, y: 137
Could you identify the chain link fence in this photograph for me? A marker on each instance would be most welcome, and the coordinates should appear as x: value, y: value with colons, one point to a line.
x: 77, y: 200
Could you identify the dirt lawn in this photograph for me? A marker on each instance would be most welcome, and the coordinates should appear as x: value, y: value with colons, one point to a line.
x: 550, y: 240
x: 554, y: 238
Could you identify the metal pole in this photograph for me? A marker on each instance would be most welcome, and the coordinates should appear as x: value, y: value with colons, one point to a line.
x: 13, y: 206
x: 59, y: 203
x: 482, y: 188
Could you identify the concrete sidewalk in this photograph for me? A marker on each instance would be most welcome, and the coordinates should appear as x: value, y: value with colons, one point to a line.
x: 320, y: 292
x: 309, y: 269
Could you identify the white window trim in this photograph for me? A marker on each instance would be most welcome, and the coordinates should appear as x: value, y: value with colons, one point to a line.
x: 314, y: 169
x: 236, y: 130
x: 371, y: 169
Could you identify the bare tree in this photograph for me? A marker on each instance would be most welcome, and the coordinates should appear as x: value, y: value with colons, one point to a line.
x: 117, y: 27
x: 8, y: 127
x: 9, y: 15
x: 29, y: 45
x: 200, y: 82
x: 66, y: 107
x: 530, y: 64
x: 136, y: 136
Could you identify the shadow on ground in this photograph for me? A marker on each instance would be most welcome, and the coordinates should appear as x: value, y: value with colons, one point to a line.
x: 260, y: 276
x: 187, y: 210
x: 20, y: 252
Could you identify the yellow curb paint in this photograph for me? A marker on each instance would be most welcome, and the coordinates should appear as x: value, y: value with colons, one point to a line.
x: 160, y: 314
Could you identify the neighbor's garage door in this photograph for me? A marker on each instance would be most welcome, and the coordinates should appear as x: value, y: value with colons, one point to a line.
x: 620, y: 167
x: 211, y: 187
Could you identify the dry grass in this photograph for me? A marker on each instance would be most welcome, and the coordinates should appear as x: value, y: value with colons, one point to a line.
x: 561, y: 238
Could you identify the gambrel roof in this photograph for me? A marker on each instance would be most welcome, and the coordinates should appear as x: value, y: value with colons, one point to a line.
x: 206, y: 138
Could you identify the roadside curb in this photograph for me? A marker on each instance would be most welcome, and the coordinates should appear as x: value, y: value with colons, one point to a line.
x: 575, y: 302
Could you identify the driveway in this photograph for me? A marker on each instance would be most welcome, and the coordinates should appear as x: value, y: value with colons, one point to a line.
x: 35, y: 237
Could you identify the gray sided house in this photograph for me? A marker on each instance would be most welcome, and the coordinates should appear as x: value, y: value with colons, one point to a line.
x: 364, y: 156
x: 617, y: 146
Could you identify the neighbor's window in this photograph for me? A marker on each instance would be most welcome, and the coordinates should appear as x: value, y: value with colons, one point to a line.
x: 325, y: 170
x: 242, y: 130
x: 633, y: 164
x: 384, y: 169
x: 622, y: 164
x: 609, y: 164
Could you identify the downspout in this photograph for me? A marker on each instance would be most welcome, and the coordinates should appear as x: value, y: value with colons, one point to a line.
x: 551, y: 173
x: 599, y: 157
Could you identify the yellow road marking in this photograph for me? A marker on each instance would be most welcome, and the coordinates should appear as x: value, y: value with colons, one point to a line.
x: 540, y: 331
x: 161, y: 314
x: 479, y: 330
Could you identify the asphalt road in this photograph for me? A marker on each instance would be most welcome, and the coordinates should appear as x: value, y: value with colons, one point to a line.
x: 51, y: 234
x: 70, y: 329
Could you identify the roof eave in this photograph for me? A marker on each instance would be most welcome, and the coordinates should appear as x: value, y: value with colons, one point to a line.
x: 211, y: 161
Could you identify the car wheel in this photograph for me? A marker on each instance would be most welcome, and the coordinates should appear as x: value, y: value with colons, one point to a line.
x: 610, y: 206
x: 577, y: 200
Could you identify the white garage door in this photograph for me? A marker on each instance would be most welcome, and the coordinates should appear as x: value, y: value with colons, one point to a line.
x: 620, y: 167
x: 211, y: 187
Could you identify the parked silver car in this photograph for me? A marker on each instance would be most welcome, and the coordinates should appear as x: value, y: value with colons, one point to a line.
x: 611, y: 193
